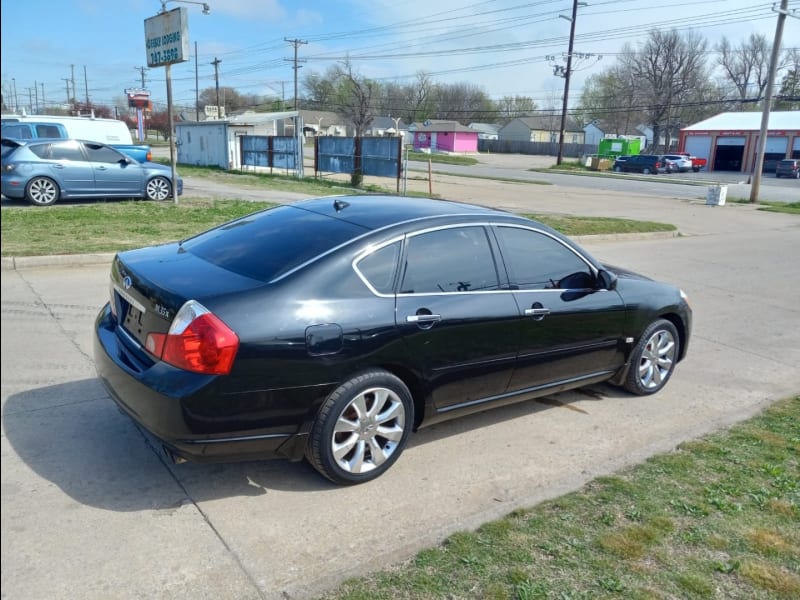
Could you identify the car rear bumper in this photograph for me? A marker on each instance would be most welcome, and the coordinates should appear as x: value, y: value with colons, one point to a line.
x: 160, y: 401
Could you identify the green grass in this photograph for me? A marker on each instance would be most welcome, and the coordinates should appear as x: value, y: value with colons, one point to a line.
x: 717, y: 518
x: 112, y: 226
x: 790, y: 208
x: 122, y: 225
x: 450, y: 159
x: 575, y: 226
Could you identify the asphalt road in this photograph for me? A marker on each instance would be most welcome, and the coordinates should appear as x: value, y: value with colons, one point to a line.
x: 91, y: 511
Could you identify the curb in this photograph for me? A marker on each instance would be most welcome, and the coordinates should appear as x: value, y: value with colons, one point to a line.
x: 20, y: 263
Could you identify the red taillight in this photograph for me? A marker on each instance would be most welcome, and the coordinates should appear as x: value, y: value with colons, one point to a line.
x: 149, y: 156
x: 197, y: 341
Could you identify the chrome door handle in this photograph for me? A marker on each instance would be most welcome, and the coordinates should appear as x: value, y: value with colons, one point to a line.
x: 423, y: 318
x: 537, y: 313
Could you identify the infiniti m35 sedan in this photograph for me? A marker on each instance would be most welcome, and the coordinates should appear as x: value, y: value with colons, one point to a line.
x: 330, y: 329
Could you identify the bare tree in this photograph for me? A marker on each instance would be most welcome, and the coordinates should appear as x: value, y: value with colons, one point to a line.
x: 788, y: 97
x: 667, y: 69
x: 511, y: 107
x: 355, y: 94
x: 746, y: 66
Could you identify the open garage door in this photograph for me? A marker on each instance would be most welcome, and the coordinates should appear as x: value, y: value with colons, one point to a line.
x: 730, y: 154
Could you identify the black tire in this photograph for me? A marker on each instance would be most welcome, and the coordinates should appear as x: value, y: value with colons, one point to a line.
x: 42, y: 191
x: 368, y: 419
x: 158, y: 189
x: 618, y: 169
x: 653, y: 359
x: 646, y: 171
x: 696, y: 169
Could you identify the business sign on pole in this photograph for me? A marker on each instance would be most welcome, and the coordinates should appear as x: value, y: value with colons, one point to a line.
x: 167, y: 38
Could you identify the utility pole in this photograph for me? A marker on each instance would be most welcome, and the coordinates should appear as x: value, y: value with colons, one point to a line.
x: 762, y: 136
x: 44, y: 104
x: 74, y: 89
x: 36, y: 94
x: 568, y: 72
x: 66, y: 79
x: 86, y: 86
x: 296, y: 43
x: 196, y: 87
x: 30, y: 99
x: 216, y: 80
x: 16, y: 100
x: 142, y: 71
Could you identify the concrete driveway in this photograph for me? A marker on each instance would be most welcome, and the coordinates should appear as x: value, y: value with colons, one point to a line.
x: 90, y: 510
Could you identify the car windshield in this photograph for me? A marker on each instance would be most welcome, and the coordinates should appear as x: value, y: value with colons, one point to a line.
x: 268, y: 244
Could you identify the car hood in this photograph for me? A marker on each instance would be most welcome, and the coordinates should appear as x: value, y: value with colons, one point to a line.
x: 625, y: 273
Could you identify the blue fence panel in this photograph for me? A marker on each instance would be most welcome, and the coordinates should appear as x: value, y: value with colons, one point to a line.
x: 255, y: 150
x: 269, y: 151
x: 380, y: 156
x: 284, y: 152
x: 336, y: 154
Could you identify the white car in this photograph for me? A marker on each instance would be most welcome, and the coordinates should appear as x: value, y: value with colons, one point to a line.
x: 682, y: 163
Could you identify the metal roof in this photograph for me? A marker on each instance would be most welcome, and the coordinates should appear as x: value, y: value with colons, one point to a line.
x: 748, y: 121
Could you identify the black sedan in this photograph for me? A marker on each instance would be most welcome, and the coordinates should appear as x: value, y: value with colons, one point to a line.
x: 331, y: 328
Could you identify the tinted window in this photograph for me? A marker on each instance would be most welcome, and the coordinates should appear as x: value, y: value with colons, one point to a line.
x: 458, y: 259
x: 17, y: 132
x: 379, y: 268
x: 44, y: 130
x: 104, y: 154
x: 270, y: 243
x: 8, y: 147
x: 536, y: 261
x: 66, y: 151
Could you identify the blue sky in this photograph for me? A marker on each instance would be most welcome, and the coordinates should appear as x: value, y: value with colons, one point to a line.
x: 508, y: 47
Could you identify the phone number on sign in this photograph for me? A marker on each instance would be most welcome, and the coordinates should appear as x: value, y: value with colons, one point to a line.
x: 169, y: 55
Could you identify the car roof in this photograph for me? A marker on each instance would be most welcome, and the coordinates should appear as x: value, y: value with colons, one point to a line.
x: 373, y: 211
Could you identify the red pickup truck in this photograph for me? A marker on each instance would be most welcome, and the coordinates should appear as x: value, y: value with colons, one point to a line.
x: 697, y: 163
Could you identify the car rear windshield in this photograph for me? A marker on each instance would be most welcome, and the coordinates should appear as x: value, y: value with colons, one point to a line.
x: 268, y: 244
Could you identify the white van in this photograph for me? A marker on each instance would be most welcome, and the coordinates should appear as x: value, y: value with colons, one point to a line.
x: 106, y: 131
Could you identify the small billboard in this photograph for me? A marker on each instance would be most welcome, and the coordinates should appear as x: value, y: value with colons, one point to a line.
x: 167, y: 38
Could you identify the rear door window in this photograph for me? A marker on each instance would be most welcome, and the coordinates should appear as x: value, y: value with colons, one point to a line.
x: 456, y: 259
x: 68, y: 150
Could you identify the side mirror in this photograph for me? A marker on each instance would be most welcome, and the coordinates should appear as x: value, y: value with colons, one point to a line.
x: 607, y: 279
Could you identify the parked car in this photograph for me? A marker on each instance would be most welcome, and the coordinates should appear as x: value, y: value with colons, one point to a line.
x: 641, y: 163
x: 681, y: 163
x: 42, y: 171
x: 331, y: 328
x: 788, y: 168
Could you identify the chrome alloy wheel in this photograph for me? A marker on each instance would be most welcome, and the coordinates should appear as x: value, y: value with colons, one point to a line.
x: 42, y: 191
x: 158, y: 189
x: 368, y: 430
x: 658, y: 359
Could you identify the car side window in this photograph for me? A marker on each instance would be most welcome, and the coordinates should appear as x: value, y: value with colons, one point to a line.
x: 536, y: 261
x: 379, y: 268
x: 103, y: 154
x: 66, y: 151
x: 456, y: 259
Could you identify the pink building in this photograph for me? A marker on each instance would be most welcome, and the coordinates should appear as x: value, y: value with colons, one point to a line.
x: 445, y: 136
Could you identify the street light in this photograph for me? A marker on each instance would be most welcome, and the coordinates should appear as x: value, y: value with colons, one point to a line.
x: 206, y: 7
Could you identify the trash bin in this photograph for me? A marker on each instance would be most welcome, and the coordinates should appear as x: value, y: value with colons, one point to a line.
x: 716, y: 195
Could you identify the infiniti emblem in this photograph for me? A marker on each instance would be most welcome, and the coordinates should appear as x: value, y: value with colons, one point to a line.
x: 127, y: 283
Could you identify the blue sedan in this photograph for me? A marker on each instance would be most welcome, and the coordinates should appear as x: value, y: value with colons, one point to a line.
x: 42, y: 171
